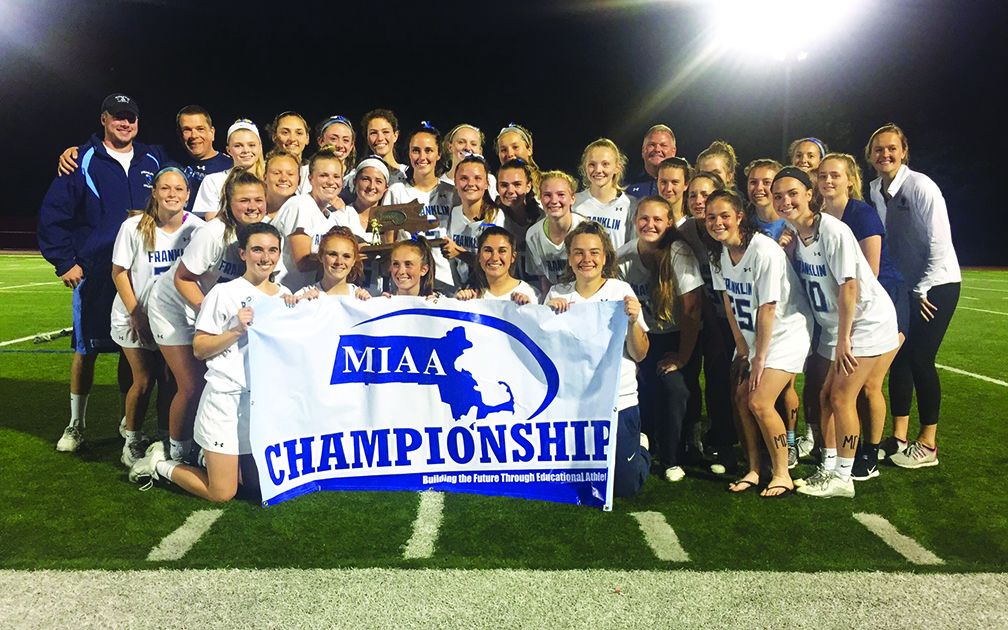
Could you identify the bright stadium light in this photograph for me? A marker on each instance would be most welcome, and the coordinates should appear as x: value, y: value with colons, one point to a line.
x: 785, y: 30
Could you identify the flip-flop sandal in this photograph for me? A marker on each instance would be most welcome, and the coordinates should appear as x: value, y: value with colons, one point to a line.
x: 786, y: 492
x: 749, y: 485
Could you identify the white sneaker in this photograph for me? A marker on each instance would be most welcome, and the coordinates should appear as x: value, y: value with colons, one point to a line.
x: 914, y: 456
x: 644, y: 441
x: 818, y: 477
x: 122, y: 427
x: 72, y: 438
x: 805, y: 445
x: 828, y: 486
x: 147, y: 466
x: 132, y: 452
x: 675, y: 473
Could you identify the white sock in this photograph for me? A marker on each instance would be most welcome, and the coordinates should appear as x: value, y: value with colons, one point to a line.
x: 829, y: 459
x: 78, y: 406
x: 164, y: 468
x: 843, y: 468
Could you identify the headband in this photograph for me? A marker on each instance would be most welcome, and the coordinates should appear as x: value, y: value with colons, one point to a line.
x: 172, y: 169
x: 243, y: 123
x: 818, y: 143
x: 336, y: 119
x: 374, y: 162
x: 796, y: 173
x: 518, y: 130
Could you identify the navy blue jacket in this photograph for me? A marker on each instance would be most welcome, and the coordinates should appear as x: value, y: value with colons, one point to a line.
x: 81, y: 213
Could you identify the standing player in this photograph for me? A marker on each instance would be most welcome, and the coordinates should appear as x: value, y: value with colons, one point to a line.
x: 424, y: 186
x: 515, y: 141
x: 211, y: 257
x: 245, y: 149
x: 547, y: 255
x: 222, y: 421
x: 591, y: 277
x: 468, y: 220
x: 673, y: 181
x: 521, y: 209
x: 920, y: 239
x: 147, y: 243
x: 719, y: 158
x: 304, y: 218
x: 603, y: 200
x: 289, y: 132
x: 461, y: 141
x: 77, y: 226
x: 770, y: 322
x: 664, y: 275
x: 858, y: 321
x: 806, y: 154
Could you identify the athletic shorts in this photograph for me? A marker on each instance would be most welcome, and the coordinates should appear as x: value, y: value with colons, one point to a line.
x: 92, y: 310
x: 172, y: 323
x: 222, y: 422
x: 122, y: 336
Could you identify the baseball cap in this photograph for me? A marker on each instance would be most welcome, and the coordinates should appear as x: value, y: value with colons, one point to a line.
x: 119, y: 104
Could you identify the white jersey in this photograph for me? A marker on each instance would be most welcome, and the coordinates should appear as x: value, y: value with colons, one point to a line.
x: 466, y: 233
x: 304, y: 187
x: 829, y: 261
x: 300, y: 215
x: 764, y: 276
x: 347, y: 216
x: 322, y: 294
x: 523, y: 287
x: 210, y: 258
x: 685, y: 278
x: 546, y: 258
x: 614, y: 216
x: 437, y: 203
x: 226, y: 370
x: 209, y: 195
x: 144, y: 266
x: 612, y: 291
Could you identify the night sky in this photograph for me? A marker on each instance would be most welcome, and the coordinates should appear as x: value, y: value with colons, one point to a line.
x: 569, y: 71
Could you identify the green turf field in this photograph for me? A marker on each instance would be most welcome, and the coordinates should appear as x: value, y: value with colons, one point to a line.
x: 78, y: 511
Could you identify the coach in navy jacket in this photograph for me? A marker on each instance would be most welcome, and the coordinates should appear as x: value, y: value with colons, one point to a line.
x: 77, y: 226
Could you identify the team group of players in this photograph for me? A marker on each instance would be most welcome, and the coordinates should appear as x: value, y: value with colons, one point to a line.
x: 797, y: 274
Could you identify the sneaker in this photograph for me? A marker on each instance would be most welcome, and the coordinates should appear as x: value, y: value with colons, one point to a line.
x: 72, y: 439
x: 805, y: 445
x: 725, y: 463
x: 147, y: 466
x: 890, y: 446
x: 122, y: 427
x: 132, y: 452
x: 916, y: 456
x: 644, y: 442
x: 864, y: 470
x: 827, y: 486
x: 818, y: 477
x: 675, y: 473
x: 792, y: 457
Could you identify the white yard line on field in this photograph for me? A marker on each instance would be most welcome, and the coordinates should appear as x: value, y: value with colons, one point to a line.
x: 660, y: 536
x: 426, y: 526
x: 904, y: 545
x: 975, y: 288
x: 179, y: 542
x: 977, y: 376
x: 33, y: 284
x: 30, y: 338
x: 966, y: 297
x: 982, y: 310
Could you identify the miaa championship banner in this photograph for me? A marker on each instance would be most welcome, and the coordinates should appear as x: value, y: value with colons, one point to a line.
x: 481, y: 396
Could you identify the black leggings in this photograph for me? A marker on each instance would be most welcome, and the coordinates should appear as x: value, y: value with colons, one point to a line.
x: 914, y: 365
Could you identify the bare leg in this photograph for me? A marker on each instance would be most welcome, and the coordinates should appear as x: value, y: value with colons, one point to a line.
x: 82, y: 373
x: 143, y: 364
x: 189, y: 377
x: 219, y: 482
x: 761, y: 403
x: 749, y: 432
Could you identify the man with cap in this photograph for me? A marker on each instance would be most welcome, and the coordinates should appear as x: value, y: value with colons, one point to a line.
x: 77, y: 226
x: 659, y: 144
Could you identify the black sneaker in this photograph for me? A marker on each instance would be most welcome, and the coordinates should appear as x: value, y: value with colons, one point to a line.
x: 864, y: 469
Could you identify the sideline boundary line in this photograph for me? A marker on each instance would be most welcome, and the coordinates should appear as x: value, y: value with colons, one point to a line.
x: 33, y: 284
x: 902, y: 544
x: 977, y: 376
x: 981, y: 310
x: 179, y: 542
